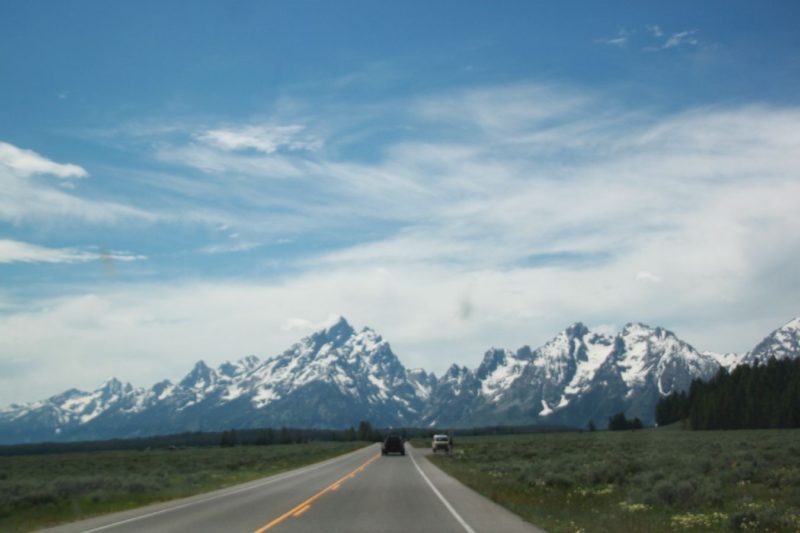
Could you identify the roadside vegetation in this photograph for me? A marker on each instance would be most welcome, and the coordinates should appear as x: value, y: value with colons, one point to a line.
x: 45, y: 489
x: 655, y: 480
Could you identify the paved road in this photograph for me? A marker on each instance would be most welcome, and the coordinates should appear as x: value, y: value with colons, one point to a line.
x: 360, y: 491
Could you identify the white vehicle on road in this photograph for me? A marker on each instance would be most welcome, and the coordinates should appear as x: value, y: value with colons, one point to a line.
x: 441, y: 442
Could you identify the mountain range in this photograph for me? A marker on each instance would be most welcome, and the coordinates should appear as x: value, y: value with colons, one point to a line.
x: 339, y: 376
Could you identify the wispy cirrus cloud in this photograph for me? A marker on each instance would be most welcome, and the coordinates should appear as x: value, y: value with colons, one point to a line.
x: 12, y: 251
x: 655, y: 30
x: 25, y: 197
x: 686, y: 37
x: 229, y: 247
x: 266, y: 139
x: 620, y: 40
x: 652, y: 38
x: 499, y: 167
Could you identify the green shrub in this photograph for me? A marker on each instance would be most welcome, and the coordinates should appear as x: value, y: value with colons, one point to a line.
x: 650, y: 480
x: 42, y: 489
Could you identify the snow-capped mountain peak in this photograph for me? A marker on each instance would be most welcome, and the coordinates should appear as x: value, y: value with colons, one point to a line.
x: 577, y: 330
x: 657, y: 355
x: 726, y: 360
x: 200, y: 377
x: 337, y: 332
x: 422, y: 381
x: 781, y: 343
x: 241, y: 366
x: 500, y: 369
x: 358, y: 366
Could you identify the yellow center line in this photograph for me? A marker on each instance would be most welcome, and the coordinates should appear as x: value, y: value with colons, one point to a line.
x: 306, y: 505
x: 301, y: 510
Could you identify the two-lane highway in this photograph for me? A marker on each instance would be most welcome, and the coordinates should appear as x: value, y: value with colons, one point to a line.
x: 360, y: 491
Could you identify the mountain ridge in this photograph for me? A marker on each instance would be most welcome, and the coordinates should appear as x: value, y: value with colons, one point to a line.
x: 337, y: 376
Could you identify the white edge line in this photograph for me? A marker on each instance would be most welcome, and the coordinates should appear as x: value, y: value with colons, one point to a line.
x: 444, y: 501
x: 273, y: 479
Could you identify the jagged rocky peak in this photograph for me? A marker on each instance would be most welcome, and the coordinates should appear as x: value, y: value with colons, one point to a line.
x: 241, y: 366
x: 112, y: 384
x: 657, y: 357
x: 63, y: 397
x: 781, y: 343
x: 334, y: 335
x: 114, y: 387
x: 560, y: 353
x: 577, y: 330
x: 492, y: 359
x: 455, y: 373
x: 500, y: 369
x: 421, y: 374
x: 728, y: 360
x: 201, y: 376
x: 658, y: 341
x: 644, y: 342
x: 228, y: 369
x: 338, y: 331
x: 161, y: 386
x: 248, y: 362
x: 422, y: 381
x: 638, y: 329
x: 368, y: 340
x: 497, y: 358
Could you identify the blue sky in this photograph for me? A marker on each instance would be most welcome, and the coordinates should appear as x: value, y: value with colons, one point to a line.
x: 210, y: 180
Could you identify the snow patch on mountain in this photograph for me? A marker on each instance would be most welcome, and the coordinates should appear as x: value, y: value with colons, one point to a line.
x: 782, y: 343
x: 597, y: 348
x: 727, y: 360
x: 500, y: 369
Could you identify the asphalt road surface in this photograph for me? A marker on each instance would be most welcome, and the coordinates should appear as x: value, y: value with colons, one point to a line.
x: 358, y: 492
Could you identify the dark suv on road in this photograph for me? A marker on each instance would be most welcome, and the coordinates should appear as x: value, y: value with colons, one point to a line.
x: 393, y: 444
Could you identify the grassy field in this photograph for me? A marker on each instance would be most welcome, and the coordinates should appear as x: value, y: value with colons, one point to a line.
x: 650, y: 480
x: 40, y: 490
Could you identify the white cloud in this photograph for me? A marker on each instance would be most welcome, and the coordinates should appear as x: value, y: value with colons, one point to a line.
x: 266, y: 139
x: 647, y: 277
x: 229, y: 247
x: 297, y: 324
x: 26, y: 198
x: 26, y: 163
x: 605, y: 329
x: 22, y: 252
x: 217, y: 162
x: 655, y: 30
x: 685, y: 37
x: 620, y: 40
x: 304, y: 326
x: 652, y: 39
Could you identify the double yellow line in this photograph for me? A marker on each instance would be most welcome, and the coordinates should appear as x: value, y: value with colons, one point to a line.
x: 306, y: 505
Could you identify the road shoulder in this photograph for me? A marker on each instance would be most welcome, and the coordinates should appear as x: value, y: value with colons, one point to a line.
x: 479, y: 512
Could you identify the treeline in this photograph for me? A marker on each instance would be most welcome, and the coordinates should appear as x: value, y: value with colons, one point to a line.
x: 762, y: 396
x: 618, y: 422
x: 285, y: 435
x: 265, y: 437
x: 262, y: 437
